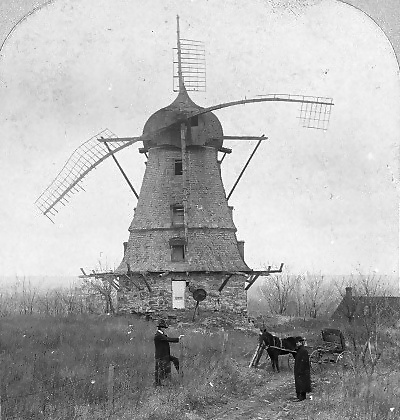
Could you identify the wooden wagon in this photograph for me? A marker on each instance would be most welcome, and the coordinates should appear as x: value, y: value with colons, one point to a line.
x: 332, y: 351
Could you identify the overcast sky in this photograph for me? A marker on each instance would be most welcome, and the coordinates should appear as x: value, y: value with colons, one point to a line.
x: 317, y: 201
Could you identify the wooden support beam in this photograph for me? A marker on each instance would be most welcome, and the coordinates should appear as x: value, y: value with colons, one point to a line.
x: 116, y: 286
x: 223, y: 157
x: 134, y: 283
x: 244, y: 273
x: 128, y: 275
x: 224, y: 282
x: 225, y: 150
x: 245, y: 166
x: 276, y: 271
x: 252, y: 280
x: 113, y: 283
x: 122, y: 171
x: 257, y: 274
x: 96, y: 275
x: 114, y: 139
x: 240, y: 138
x: 147, y: 283
x: 241, y: 273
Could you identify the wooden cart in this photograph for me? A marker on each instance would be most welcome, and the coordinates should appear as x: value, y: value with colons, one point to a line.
x: 332, y: 351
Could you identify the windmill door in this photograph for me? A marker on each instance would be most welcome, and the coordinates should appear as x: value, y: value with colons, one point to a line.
x: 178, y: 294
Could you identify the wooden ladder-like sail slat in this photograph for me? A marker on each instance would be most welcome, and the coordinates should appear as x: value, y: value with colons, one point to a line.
x: 85, y: 158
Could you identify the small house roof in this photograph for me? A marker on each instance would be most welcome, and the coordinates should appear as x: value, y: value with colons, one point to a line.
x: 355, y: 306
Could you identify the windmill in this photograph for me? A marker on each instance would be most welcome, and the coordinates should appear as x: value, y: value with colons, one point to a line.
x: 182, y: 236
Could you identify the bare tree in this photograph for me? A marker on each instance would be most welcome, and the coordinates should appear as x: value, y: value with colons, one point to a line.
x: 103, y: 287
x: 7, y: 304
x: 26, y: 294
x: 278, y: 290
x: 69, y: 298
x: 315, y: 294
x: 44, y: 304
x: 25, y: 299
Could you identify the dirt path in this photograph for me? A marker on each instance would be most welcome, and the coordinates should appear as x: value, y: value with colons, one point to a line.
x: 275, y: 400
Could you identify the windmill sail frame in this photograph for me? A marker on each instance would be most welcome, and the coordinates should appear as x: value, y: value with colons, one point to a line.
x: 85, y: 158
x: 189, y: 57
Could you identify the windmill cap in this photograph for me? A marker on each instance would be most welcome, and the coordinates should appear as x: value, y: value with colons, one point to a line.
x: 162, y: 324
x: 206, y: 128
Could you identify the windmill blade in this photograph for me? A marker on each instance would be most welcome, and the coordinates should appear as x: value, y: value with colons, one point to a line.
x: 29, y: 11
x: 85, y: 158
x: 315, y: 110
x: 315, y: 115
x: 189, y: 64
x: 193, y: 65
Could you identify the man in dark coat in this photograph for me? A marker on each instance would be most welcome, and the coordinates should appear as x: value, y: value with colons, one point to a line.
x: 302, y: 377
x: 162, y: 353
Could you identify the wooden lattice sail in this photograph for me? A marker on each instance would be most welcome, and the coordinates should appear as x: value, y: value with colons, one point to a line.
x: 85, y: 158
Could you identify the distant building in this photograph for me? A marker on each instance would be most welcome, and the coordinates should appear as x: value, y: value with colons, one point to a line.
x: 353, y: 307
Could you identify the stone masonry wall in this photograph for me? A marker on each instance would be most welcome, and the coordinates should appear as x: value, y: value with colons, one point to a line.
x: 211, y: 240
x: 140, y: 300
x: 161, y: 188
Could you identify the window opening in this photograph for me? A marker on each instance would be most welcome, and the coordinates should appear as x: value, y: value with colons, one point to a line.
x: 178, y: 166
x: 177, y: 215
x: 194, y: 121
x: 177, y: 253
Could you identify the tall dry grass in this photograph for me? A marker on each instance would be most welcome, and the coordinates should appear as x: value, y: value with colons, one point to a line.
x: 58, y: 367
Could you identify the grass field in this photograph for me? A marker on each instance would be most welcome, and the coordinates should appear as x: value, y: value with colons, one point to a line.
x: 59, y: 368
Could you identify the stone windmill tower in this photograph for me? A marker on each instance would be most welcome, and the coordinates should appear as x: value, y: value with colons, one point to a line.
x: 182, y: 239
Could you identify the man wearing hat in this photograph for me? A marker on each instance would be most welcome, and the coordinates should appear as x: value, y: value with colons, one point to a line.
x: 302, y: 377
x: 162, y: 353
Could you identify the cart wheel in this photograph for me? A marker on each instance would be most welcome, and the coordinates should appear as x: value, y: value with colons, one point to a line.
x: 316, y: 361
x: 344, y: 361
x: 290, y: 361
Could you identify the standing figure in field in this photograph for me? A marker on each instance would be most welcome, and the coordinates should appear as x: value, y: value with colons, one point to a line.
x: 162, y: 353
x: 302, y: 376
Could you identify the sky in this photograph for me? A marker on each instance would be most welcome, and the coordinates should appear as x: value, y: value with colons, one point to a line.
x: 317, y: 201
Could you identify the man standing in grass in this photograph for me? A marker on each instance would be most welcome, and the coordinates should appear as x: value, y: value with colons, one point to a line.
x: 302, y: 377
x: 162, y: 353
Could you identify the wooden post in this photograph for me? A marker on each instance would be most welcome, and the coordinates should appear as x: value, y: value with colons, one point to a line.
x: 110, y: 389
x: 257, y: 355
x: 180, y: 359
x: 0, y: 401
x: 195, y: 309
x: 184, y: 179
x: 225, y: 341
